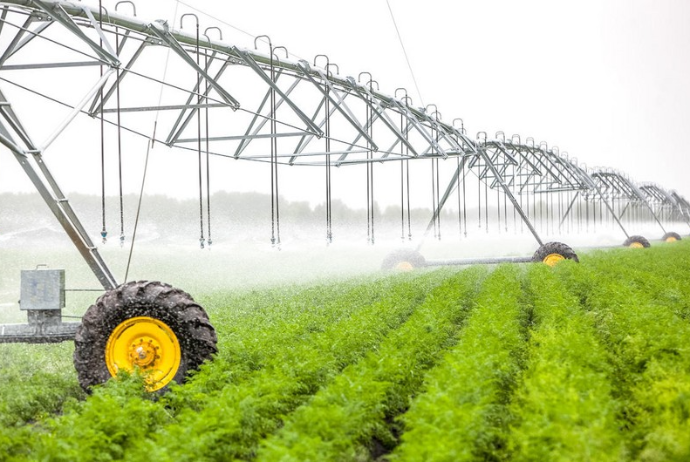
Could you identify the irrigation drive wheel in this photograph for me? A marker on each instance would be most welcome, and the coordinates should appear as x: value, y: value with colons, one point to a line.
x: 636, y: 242
x: 403, y: 260
x: 147, y: 325
x: 554, y: 252
x: 671, y: 237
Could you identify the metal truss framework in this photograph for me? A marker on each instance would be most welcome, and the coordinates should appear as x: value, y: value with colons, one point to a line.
x: 258, y: 106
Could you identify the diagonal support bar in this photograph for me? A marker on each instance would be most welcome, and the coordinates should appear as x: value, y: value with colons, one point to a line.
x: 246, y: 57
x: 162, y: 32
x: 61, y: 209
x: 97, y: 105
x: 58, y: 14
x: 374, y: 104
x: 509, y: 193
x: 339, y: 103
x: 77, y: 109
x: 418, y: 126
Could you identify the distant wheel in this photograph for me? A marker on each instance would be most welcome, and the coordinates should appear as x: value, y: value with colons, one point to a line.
x: 554, y: 252
x: 151, y: 326
x: 403, y: 260
x: 636, y: 242
x: 671, y: 237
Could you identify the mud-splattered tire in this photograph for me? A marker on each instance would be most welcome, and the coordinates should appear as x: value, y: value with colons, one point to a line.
x: 636, y: 242
x: 151, y: 323
x: 403, y: 260
x: 553, y: 252
x: 671, y: 237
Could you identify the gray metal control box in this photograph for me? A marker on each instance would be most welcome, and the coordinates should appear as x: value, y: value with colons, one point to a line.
x: 42, y: 289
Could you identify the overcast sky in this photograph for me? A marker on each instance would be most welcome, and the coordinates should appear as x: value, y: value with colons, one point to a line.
x: 605, y: 80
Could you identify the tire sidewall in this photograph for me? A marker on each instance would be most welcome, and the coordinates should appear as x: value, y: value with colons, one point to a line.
x: 111, y: 310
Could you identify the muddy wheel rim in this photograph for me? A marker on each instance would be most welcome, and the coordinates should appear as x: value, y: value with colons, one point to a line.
x: 147, y: 344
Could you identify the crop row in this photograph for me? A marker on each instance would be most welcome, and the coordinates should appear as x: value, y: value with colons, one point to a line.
x: 350, y: 418
x: 463, y: 414
x: 230, y: 423
x: 563, y: 406
x: 648, y: 344
x: 584, y: 361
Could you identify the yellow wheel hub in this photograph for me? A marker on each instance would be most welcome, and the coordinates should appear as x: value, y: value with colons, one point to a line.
x: 404, y: 266
x: 553, y: 258
x: 671, y: 239
x: 636, y: 245
x: 147, y: 344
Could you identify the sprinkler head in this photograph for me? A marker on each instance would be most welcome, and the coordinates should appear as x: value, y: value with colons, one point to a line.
x: 104, y: 235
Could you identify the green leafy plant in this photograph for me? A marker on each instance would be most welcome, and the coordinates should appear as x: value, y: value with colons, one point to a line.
x: 349, y: 419
x: 563, y: 405
x: 463, y: 413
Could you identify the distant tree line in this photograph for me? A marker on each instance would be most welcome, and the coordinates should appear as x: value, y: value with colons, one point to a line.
x: 166, y: 216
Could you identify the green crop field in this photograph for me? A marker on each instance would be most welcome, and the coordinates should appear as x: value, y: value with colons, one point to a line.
x: 580, y: 362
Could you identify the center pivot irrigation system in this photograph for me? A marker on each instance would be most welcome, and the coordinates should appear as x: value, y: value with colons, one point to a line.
x: 188, y: 89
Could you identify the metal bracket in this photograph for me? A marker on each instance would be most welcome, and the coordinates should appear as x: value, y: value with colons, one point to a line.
x: 61, y: 16
x: 247, y: 58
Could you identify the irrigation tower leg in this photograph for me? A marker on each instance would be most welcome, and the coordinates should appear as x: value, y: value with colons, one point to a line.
x: 611, y: 211
x: 506, y: 189
x: 504, y: 186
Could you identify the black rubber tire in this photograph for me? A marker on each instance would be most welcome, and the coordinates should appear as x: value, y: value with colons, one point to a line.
x: 174, y: 307
x: 558, y: 248
x: 670, y: 234
x: 637, y: 239
x: 414, y: 258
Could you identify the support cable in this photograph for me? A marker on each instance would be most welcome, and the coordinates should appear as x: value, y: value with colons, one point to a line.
x: 272, y: 120
x: 479, y: 193
x: 327, y: 112
x: 486, y: 197
x: 208, y: 163
x: 407, y: 101
x: 402, y: 183
x: 498, y: 209
x: 438, y: 198
x: 149, y: 145
x: 329, y: 216
x: 560, y: 207
x: 104, y: 232
x: 464, y: 199
x: 459, y: 198
x: 407, y: 59
x: 517, y: 182
x: 371, y: 173
x: 119, y: 145
x: 274, y: 151
x: 433, y: 197
x: 275, y: 206
x: 198, y: 131
x: 402, y: 199
x: 409, y: 221
x: 370, y: 166
x: 505, y: 211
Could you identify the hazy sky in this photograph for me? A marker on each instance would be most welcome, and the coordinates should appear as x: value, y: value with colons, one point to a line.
x: 605, y: 80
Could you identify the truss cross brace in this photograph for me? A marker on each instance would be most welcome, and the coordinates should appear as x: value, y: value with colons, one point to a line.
x: 59, y: 15
x: 246, y: 57
x: 162, y: 32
